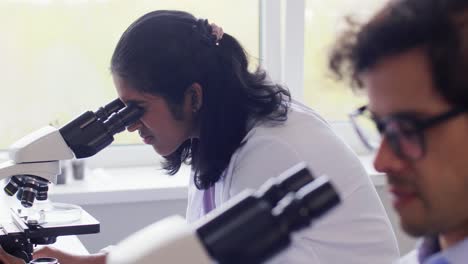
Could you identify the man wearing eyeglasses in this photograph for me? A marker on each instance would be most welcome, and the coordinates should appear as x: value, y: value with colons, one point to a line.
x: 412, y: 60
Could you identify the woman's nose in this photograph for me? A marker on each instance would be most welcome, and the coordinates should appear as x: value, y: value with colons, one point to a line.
x: 135, y: 126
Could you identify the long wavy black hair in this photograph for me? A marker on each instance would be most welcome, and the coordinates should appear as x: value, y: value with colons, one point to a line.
x: 164, y: 52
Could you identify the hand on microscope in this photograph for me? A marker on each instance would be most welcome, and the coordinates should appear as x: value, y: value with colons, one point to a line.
x: 61, y: 256
x: 6, y: 258
x: 68, y: 258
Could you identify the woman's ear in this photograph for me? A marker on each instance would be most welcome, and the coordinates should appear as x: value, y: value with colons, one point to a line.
x: 195, y: 97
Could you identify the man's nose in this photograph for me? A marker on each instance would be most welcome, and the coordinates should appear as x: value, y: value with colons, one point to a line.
x: 386, y: 160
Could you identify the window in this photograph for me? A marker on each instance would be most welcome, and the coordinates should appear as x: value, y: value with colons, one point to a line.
x: 55, y: 54
x: 323, y: 20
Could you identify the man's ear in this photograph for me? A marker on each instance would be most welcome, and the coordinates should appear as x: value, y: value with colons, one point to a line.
x: 195, y: 97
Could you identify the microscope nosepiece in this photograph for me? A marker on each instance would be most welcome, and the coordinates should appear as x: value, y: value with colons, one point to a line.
x: 27, y: 188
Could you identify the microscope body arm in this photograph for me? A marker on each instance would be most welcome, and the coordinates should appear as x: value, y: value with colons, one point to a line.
x: 45, y: 144
x: 38, y: 154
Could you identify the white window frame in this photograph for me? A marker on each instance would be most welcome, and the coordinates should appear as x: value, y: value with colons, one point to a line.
x: 282, y: 28
x: 282, y: 48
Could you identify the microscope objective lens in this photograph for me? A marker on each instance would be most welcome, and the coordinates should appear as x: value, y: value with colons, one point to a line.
x: 19, y: 194
x: 13, y: 185
x: 27, y: 199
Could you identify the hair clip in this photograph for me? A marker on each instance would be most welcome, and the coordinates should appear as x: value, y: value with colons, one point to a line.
x: 217, y: 32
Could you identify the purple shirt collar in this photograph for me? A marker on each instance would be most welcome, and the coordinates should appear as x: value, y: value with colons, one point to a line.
x: 428, y: 247
x: 429, y: 252
x: 208, y: 200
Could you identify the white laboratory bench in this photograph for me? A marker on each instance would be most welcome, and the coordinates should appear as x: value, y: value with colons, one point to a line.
x: 122, y: 185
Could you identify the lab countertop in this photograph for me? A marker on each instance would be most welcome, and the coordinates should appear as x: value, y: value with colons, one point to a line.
x: 117, y: 185
x: 141, y: 184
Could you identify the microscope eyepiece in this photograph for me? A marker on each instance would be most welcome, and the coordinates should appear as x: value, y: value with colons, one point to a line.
x: 88, y: 134
x: 299, y: 200
x: 297, y: 210
x: 118, y: 121
x: 290, y: 181
x: 107, y: 110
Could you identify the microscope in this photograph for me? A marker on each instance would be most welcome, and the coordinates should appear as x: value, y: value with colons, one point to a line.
x: 250, y: 228
x: 34, y: 162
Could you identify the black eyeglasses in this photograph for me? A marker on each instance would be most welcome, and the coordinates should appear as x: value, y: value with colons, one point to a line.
x: 403, y: 131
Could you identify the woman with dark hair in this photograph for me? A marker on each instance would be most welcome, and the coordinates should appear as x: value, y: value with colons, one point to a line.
x: 237, y: 129
x: 202, y: 76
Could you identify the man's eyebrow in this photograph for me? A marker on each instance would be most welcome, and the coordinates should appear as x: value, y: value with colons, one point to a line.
x: 404, y: 113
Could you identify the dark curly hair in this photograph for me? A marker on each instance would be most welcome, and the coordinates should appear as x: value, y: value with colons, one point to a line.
x: 438, y: 27
x: 165, y: 52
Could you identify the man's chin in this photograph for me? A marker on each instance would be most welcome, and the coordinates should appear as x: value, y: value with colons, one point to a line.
x: 414, y: 229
